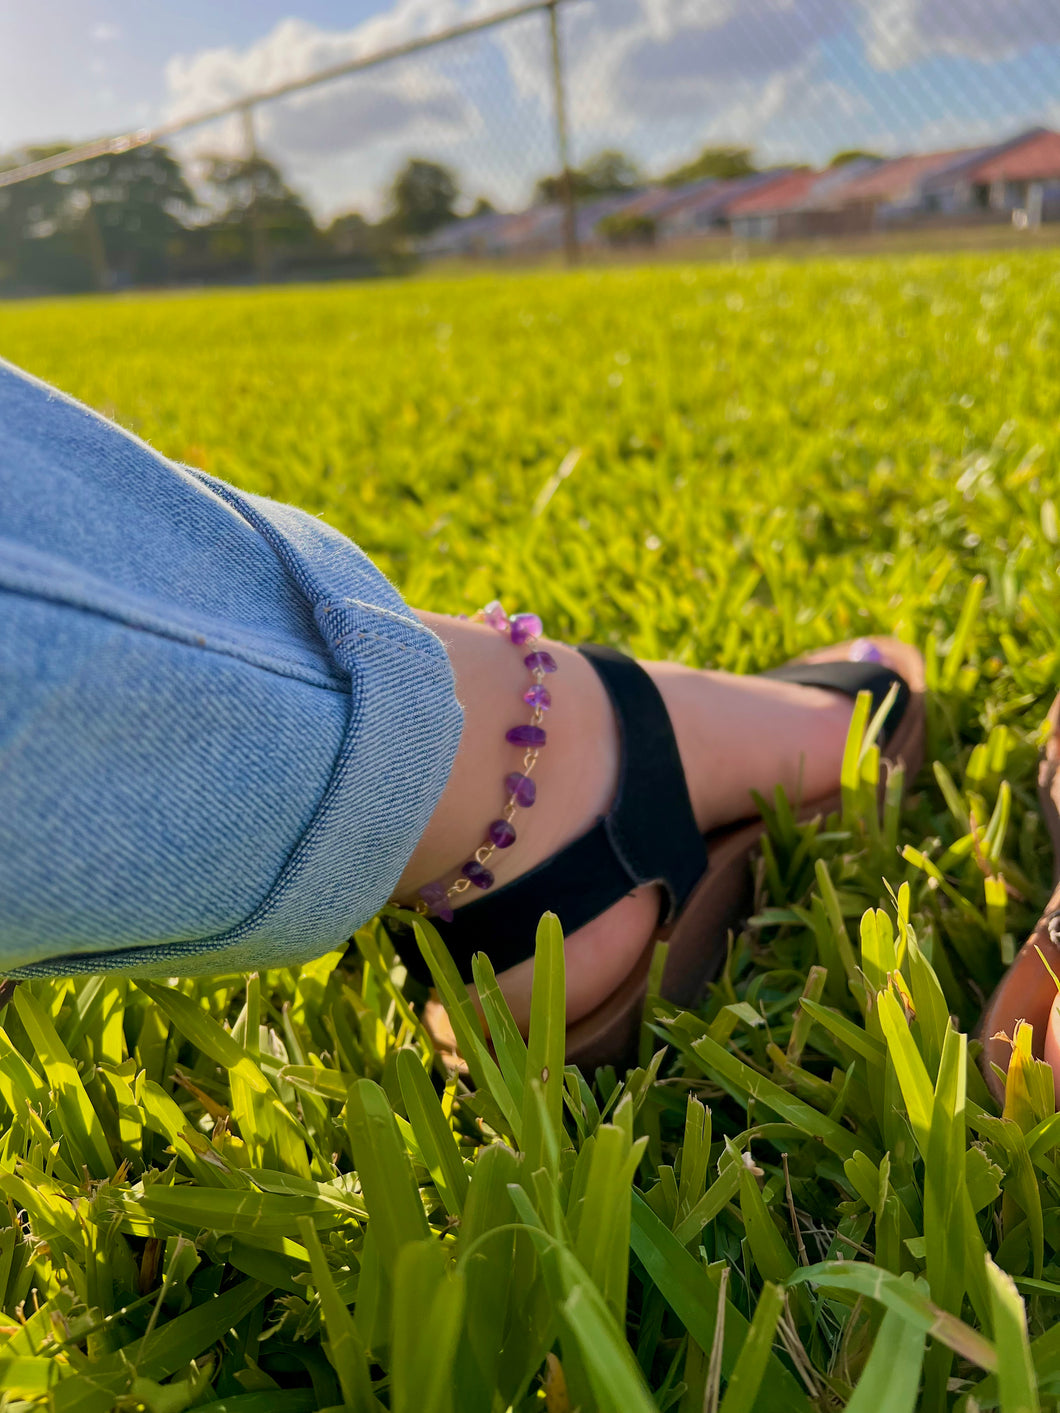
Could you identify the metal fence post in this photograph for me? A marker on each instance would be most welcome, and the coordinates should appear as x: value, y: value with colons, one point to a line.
x: 570, y: 218
x: 259, y: 240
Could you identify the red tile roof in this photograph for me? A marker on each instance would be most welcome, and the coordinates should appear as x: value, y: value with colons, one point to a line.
x: 785, y: 192
x: 1035, y: 157
x: 899, y: 178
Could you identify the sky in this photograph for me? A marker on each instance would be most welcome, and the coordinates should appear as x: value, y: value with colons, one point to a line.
x: 794, y: 79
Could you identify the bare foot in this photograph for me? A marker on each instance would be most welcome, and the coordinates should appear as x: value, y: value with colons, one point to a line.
x: 735, y: 734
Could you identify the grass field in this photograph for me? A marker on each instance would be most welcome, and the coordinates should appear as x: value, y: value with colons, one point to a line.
x: 811, y: 1200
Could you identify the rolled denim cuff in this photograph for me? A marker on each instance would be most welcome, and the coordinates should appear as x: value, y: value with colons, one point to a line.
x: 337, y: 660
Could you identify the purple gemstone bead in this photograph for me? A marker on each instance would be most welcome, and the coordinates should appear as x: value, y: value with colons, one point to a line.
x: 541, y: 659
x: 526, y: 736
x: 435, y: 895
x: 524, y: 626
x: 864, y: 650
x: 495, y: 616
x: 538, y: 696
x: 480, y: 877
x: 502, y: 834
x: 521, y: 788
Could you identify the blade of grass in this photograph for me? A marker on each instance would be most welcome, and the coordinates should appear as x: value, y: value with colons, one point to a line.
x: 741, y: 1393
x: 691, y: 1291
x: 718, y: 1062
x: 81, y: 1126
x: 1017, y: 1385
x: 545, y: 1047
x: 395, y: 1210
x: 891, y: 1376
x: 899, y: 1293
x: 437, y: 1143
x: 346, y: 1353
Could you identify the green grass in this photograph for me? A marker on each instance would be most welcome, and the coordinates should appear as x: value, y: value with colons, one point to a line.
x: 263, y: 1195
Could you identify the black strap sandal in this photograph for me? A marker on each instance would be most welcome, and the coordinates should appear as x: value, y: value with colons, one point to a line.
x: 650, y: 837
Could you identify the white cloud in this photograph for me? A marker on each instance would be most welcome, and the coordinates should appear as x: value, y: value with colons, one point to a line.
x: 626, y: 59
x: 725, y: 67
x: 899, y: 32
x: 104, y: 33
x: 355, y: 113
x: 404, y: 101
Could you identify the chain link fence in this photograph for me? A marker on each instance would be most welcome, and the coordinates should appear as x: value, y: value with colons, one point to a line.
x: 578, y: 125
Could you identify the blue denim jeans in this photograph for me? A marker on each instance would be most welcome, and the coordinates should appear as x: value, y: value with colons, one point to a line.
x: 222, y: 731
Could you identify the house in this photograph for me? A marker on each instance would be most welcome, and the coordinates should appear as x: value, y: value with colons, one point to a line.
x: 855, y: 198
x: 589, y: 214
x: 1017, y: 180
x: 703, y: 208
x: 765, y: 213
x: 474, y: 235
x: 1018, y: 176
x: 893, y: 189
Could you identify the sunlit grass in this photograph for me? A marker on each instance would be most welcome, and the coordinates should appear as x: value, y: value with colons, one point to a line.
x: 811, y: 1199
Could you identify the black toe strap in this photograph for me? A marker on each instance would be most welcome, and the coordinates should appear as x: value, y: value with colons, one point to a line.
x: 850, y: 678
x: 650, y: 836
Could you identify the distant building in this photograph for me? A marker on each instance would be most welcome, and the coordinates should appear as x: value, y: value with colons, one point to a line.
x: 957, y: 186
x: 797, y: 204
x: 475, y: 235
x: 1021, y: 175
x: 703, y: 209
x: 893, y: 189
x: 534, y: 231
x: 590, y: 213
x: 1018, y: 179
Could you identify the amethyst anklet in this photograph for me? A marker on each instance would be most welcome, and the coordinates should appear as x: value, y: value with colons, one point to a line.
x: 524, y: 630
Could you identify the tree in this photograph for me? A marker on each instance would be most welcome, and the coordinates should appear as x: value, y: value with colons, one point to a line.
x: 114, y: 219
x: 853, y: 154
x: 550, y: 189
x: 257, y: 215
x: 31, y: 215
x: 422, y: 197
x: 722, y: 163
x: 130, y: 209
x: 351, y: 234
x: 611, y: 173
x: 608, y: 173
x: 483, y: 207
x: 627, y: 228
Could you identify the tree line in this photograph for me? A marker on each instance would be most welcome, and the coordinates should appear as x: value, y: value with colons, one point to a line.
x: 136, y: 218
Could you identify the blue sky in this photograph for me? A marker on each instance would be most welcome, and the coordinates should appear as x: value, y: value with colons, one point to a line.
x: 794, y: 78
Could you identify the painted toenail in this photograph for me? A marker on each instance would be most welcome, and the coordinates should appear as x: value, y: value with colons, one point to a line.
x: 865, y: 650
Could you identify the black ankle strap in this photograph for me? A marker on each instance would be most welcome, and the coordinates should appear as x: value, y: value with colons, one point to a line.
x: 649, y: 836
x: 851, y: 678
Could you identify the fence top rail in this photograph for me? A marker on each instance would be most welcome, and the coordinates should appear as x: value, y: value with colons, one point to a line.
x: 142, y: 137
